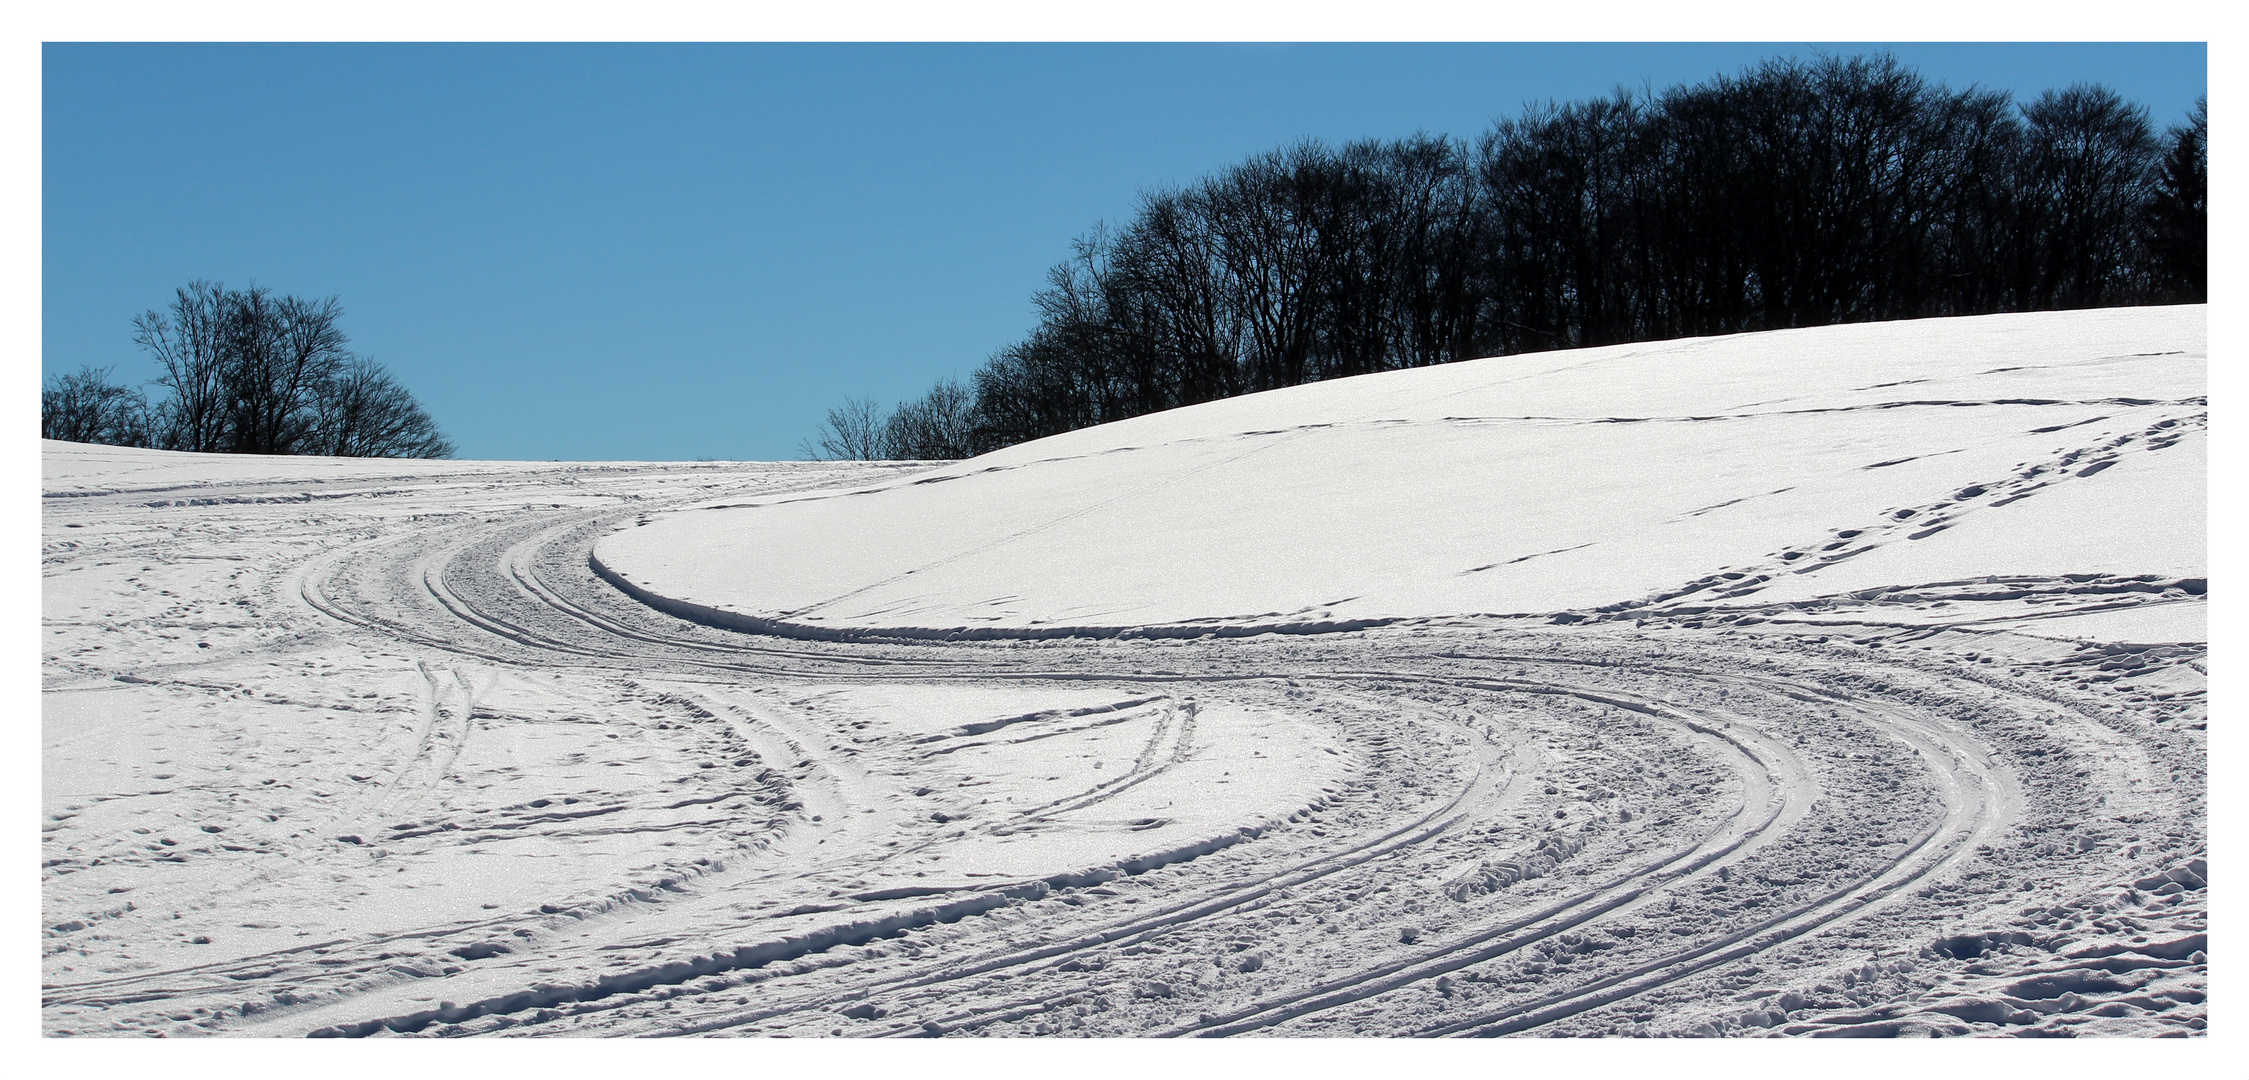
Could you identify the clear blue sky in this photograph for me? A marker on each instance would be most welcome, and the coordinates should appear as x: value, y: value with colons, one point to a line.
x: 677, y: 251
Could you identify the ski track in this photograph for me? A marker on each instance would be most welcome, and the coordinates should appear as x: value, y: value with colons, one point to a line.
x: 1587, y: 829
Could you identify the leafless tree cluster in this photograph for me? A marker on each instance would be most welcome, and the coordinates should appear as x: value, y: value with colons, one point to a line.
x: 941, y: 425
x: 1793, y: 194
x: 87, y: 407
x: 248, y: 372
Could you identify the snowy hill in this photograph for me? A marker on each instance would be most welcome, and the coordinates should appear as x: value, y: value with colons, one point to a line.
x: 1830, y: 682
x: 1999, y: 471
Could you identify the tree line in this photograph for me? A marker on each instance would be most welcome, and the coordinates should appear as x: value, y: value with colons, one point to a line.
x: 1793, y: 194
x: 246, y: 372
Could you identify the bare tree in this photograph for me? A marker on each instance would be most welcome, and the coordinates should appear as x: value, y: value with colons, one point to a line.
x: 285, y: 352
x: 853, y: 431
x: 190, y: 347
x: 360, y: 411
x: 2086, y: 180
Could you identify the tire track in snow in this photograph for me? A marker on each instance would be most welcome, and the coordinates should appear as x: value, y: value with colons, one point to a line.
x: 1975, y: 805
x: 1564, y: 916
x: 1775, y: 791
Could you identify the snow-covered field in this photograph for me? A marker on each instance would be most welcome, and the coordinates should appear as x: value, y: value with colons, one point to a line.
x: 1829, y: 682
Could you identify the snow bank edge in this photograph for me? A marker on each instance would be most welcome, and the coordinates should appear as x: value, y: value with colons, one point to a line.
x: 723, y: 619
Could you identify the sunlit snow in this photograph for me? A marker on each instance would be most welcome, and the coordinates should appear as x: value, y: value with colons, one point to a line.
x: 1840, y: 681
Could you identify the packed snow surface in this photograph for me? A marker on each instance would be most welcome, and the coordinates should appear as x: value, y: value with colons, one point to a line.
x: 1829, y: 682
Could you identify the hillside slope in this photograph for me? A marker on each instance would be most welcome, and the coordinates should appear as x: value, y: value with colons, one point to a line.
x: 2045, y: 467
x: 1843, y: 682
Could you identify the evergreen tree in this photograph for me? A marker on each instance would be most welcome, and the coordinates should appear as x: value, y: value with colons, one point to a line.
x: 2178, y: 216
